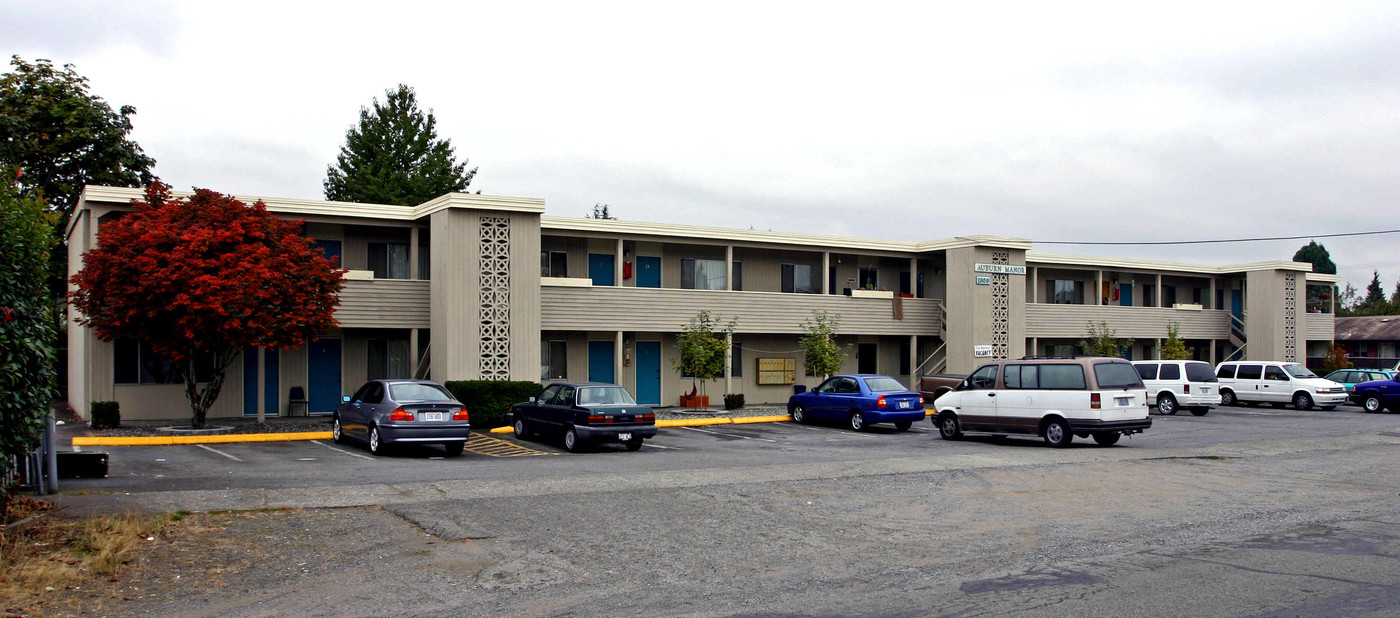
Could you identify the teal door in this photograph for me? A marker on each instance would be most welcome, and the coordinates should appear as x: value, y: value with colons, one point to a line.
x: 600, y: 361
x: 649, y: 372
x: 1125, y: 294
x: 323, y: 373
x: 601, y: 269
x: 648, y: 272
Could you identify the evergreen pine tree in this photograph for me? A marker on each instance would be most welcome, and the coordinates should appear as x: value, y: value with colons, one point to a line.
x: 1318, y: 256
x: 394, y: 156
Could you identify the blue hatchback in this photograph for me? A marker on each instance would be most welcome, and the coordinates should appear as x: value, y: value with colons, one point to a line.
x: 859, y: 399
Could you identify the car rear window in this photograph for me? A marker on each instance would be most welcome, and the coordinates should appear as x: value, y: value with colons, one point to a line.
x: 1147, y: 371
x: 884, y: 384
x: 1200, y: 372
x: 604, y: 396
x: 1250, y: 372
x: 1171, y: 371
x: 418, y: 392
x: 1063, y: 377
x: 1116, y: 375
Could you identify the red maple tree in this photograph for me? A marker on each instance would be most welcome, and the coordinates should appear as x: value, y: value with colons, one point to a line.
x: 203, y: 277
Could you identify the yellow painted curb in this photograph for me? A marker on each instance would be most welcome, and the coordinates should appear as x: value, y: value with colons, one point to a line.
x: 216, y: 439
x: 503, y: 430
x: 780, y: 418
x: 696, y: 422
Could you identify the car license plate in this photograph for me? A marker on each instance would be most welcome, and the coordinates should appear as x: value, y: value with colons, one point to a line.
x: 1205, y: 390
x: 625, y: 437
x: 1125, y: 401
x: 432, y: 416
x: 903, y: 404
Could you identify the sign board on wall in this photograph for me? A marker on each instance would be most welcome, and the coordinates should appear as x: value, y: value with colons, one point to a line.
x: 981, y: 351
x: 777, y: 371
x: 998, y: 269
x: 982, y: 279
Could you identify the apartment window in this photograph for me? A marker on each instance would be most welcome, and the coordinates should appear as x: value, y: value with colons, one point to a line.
x: 797, y: 278
x: 905, y: 282
x: 1198, y: 296
x: 738, y: 275
x: 424, y: 260
x: 387, y: 359
x: 554, y: 360
x: 389, y: 260
x: 134, y: 362
x: 736, y: 359
x: 554, y: 264
x: 1149, y: 295
x: 869, y: 278
x: 1168, y: 295
x: 699, y: 274
x: 1059, y: 350
x: 1065, y: 291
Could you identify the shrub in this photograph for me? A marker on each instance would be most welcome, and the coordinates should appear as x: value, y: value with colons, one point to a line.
x: 106, y: 415
x: 733, y: 401
x: 488, y: 401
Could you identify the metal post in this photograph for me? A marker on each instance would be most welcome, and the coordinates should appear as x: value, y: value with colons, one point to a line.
x: 51, y: 453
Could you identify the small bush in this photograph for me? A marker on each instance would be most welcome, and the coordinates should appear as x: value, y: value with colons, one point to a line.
x: 733, y: 401
x: 106, y: 415
x: 488, y: 401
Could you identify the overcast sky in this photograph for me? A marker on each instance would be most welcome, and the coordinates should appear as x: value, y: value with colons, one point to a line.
x: 904, y: 121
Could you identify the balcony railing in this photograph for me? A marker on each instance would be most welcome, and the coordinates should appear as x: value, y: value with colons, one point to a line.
x: 1069, y: 321
x: 384, y: 303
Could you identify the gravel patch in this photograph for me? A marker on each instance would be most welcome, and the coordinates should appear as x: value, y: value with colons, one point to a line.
x: 671, y: 414
x: 235, y: 426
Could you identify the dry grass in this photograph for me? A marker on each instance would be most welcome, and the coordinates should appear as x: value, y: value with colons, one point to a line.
x: 57, y: 553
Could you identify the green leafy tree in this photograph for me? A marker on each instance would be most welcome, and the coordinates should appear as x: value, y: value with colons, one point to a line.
x: 1318, y: 256
x: 27, y: 328
x: 1100, y: 340
x: 600, y: 211
x: 394, y: 156
x: 64, y: 137
x: 704, y: 347
x: 821, y: 355
x: 1174, y: 348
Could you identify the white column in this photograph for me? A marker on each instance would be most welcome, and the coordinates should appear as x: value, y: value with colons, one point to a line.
x: 826, y: 272
x: 262, y: 384
x: 1160, y: 295
x: 913, y: 360
x: 1035, y: 347
x: 413, y: 253
x: 1098, y: 288
x: 413, y: 359
x: 729, y: 267
x: 1210, y: 298
x: 914, y: 276
x: 1212, y: 352
x: 1035, y: 288
x: 617, y: 361
x: 617, y: 266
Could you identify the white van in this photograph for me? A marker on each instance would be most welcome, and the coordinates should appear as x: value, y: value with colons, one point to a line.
x: 1276, y: 383
x: 1174, y: 384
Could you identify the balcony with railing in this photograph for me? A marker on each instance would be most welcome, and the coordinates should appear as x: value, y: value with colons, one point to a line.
x: 384, y: 303
x: 1068, y: 321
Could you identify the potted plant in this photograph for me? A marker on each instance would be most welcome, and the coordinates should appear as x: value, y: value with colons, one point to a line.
x: 704, y: 349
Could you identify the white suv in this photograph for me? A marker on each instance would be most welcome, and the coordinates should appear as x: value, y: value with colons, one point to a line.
x: 1174, y: 384
x: 1278, y: 384
x: 1056, y: 398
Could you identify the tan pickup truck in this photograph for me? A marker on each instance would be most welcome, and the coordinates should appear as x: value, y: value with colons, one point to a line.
x: 934, y: 386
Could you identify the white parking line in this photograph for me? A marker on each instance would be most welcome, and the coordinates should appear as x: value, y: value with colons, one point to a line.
x: 217, y: 451
x: 727, y: 435
x: 669, y: 448
x: 341, y: 450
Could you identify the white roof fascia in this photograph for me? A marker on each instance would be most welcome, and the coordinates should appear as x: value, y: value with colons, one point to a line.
x: 1099, y: 262
x: 810, y: 241
x: 356, y: 210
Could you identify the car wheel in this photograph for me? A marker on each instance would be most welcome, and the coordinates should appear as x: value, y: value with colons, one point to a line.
x: 522, y: 431
x: 948, y: 426
x: 857, y: 421
x: 454, y: 448
x: 1199, y: 410
x: 1303, y: 401
x: 1373, y: 404
x: 571, y: 441
x: 634, y: 444
x: 375, y: 446
x: 904, y: 425
x: 1227, y: 398
x: 799, y: 415
x: 1166, y: 404
x: 1107, y: 438
x: 337, y: 433
x: 1057, y: 433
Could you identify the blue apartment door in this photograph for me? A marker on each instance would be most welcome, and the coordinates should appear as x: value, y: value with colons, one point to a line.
x: 648, y: 272
x: 1237, y: 303
x: 250, y: 382
x: 1125, y: 294
x: 323, y: 375
x: 600, y: 361
x: 649, y: 373
x: 601, y: 269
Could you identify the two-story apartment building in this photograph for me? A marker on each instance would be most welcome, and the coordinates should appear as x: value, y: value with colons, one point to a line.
x: 482, y: 287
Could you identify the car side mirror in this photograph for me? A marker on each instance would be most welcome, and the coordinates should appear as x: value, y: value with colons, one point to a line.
x: 532, y: 400
x: 965, y: 384
x: 345, y: 399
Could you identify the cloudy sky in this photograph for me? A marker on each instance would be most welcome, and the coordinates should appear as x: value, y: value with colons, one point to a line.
x: 903, y: 121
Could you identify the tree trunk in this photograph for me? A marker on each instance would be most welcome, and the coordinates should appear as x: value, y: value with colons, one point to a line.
x: 202, y: 400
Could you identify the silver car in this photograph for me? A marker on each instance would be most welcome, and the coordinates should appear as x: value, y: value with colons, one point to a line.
x: 387, y: 412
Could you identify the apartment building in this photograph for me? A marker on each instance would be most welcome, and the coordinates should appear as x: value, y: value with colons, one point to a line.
x: 483, y: 287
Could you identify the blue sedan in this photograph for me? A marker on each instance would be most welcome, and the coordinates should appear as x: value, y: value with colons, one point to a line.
x: 859, y: 399
x: 1378, y: 395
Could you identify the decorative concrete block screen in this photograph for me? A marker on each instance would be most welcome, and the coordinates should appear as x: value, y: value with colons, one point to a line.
x: 494, y: 241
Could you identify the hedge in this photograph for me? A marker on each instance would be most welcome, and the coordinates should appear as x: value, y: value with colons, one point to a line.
x: 106, y: 415
x: 488, y: 401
